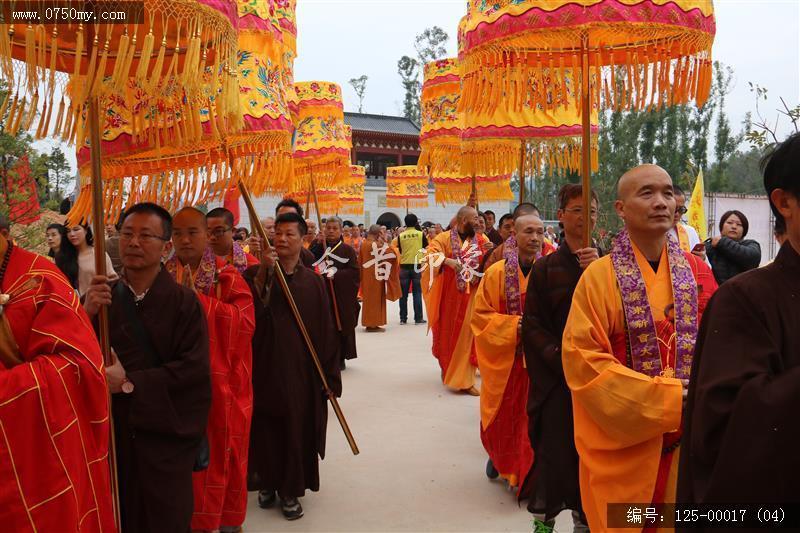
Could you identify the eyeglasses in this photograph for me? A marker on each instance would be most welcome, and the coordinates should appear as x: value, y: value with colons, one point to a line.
x: 579, y: 211
x: 682, y: 210
x: 142, y: 238
x: 219, y: 232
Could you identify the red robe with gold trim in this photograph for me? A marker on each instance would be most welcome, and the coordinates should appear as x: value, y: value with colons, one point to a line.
x: 54, y: 473
x: 220, y: 496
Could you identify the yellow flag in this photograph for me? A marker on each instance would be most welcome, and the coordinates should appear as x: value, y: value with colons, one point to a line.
x: 697, y: 210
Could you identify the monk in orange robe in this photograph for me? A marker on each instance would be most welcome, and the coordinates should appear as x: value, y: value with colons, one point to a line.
x: 379, y: 265
x: 497, y: 325
x: 220, y: 492
x: 449, y: 286
x: 498, y: 253
x: 54, y: 472
x: 220, y: 238
x: 627, y: 352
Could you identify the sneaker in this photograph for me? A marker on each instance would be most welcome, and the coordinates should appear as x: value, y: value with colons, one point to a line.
x: 291, y: 509
x: 491, y: 471
x: 266, y: 498
x: 543, y: 527
x: 418, y: 322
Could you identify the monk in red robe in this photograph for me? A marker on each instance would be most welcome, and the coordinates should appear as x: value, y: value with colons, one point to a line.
x: 449, y: 285
x: 220, y: 492
x: 628, y: 347
x: 497, y: 325
x: 220, y: 238
x: 54, y: 473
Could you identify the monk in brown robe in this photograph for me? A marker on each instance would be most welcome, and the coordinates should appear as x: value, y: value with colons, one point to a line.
x: 160, y: 382
x: 290, y: 414
x: 379, y: 268
x: 338, y: 264
x: 740, y: 426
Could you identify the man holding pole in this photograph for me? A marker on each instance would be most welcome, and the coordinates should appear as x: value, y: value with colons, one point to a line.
x: 220, y: 491
x: 53, y: 403
x: 338, y: 264
x: 290, y: 412
x: 159, y: 381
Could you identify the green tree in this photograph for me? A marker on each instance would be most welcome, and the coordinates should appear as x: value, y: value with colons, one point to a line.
x: 59, y: 172
x: 429, y: 45
x: 726, y: 142
x: 360, y: 87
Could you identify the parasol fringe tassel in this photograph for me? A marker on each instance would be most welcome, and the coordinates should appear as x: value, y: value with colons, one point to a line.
x: 144, y: 58
x: 155, y: 74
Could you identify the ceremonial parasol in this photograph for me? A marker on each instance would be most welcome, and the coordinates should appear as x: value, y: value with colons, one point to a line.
x: 636, y: 54
x: 351, y: 192
x: 406, y: 186
x: 441, y: 140
x: 321, y: 146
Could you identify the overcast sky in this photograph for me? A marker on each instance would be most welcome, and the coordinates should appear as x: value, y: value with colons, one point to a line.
x: 343, y: 39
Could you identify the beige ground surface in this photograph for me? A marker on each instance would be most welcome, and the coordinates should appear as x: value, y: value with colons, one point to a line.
x: 421, y: 466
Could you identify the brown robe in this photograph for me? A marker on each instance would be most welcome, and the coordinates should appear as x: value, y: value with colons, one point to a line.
x: 375, y: 292
x: 740, y: 425
x: 290, y: 414
x: 160, y: 425
x: 343, y: 292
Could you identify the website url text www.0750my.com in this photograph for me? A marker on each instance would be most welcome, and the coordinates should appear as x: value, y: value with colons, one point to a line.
x: 72, y: 12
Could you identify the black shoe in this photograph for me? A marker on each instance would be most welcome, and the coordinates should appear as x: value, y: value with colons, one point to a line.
x: 418, y: 322
x: 266, y: 499
x: 403, y: 322
x: 491, y: 471
x: 291, y: 509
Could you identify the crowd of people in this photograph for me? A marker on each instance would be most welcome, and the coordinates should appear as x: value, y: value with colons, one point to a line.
x: 662, y: 369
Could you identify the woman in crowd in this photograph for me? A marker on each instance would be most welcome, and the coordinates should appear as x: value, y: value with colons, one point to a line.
x: 730, y: 253
x: 76, y: 258
x: 54, y: 236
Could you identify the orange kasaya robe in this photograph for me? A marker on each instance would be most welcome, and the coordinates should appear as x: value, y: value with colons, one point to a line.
x: 54, y: 423
x: 504, y: 380
x: 374, y: 291
x: 623, y: 418
x: 220, y: 492
x: 448, y: 312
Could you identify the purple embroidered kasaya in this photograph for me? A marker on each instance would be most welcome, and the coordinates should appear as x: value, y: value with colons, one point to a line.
x: 513, y: 294
x: 206, y: 276
x: 239, y: 258
x: 455, y: 243
x: 642, y: 334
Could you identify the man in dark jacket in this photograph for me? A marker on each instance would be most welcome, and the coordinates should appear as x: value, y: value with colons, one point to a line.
x: 553, y: 481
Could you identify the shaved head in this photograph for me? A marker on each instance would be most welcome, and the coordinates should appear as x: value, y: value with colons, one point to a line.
x: 524, y: 220
x: 191, y: 213
x: 465, y: 212
x: 375, y: 230
x: 523, y: 209
x: 630, y: 181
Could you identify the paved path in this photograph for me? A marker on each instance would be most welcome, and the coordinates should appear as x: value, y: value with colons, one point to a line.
x: 421, y: 466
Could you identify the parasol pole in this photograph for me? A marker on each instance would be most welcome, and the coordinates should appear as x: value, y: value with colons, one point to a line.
x: 308, y: 195
x: 406, y: 206
x: 255, y: 223
x: 522, y: 180
x: 336, y: 313
x: 98, y: 228
x: 586, y: 146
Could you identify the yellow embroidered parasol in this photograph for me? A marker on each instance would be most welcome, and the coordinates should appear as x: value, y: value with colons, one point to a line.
x: 351, y: 192
x: 406, y: 186
x: 635, y: 54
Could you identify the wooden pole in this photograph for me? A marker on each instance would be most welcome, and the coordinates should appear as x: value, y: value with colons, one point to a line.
x: 98, y: 228
x: 586, y: 146
x: 522, y: 161
x: 259, y: 228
